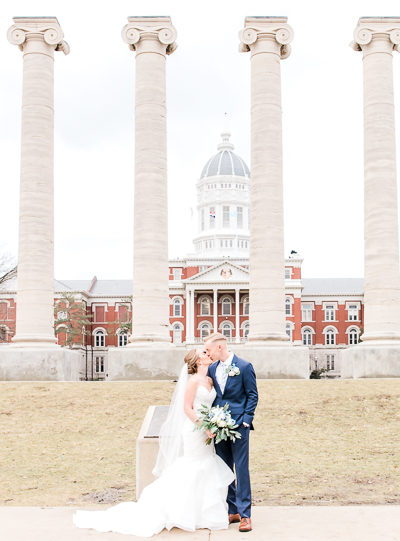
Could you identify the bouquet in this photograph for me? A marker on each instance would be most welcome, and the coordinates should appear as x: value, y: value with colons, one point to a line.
x: 219, y: 421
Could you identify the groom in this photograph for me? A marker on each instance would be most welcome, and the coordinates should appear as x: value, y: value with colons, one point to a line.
x: 235, y: 383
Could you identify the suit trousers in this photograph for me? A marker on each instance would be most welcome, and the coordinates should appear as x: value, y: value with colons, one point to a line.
x: 237, y: 454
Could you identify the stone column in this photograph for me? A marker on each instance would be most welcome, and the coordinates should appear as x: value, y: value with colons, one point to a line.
x: 377, y: 38
x: 38, y: 38
x: 152, y: 38
x: 237, y: 315
x: 215, y: 310
x: 267, y: 39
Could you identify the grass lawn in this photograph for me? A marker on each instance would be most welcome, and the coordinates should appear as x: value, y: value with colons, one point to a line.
x: 315, y: 441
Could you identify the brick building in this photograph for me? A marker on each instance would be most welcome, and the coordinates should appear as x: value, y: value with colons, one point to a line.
x: 209, y: 289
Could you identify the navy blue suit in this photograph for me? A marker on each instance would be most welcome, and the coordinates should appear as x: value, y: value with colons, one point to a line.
x: 241, y: 395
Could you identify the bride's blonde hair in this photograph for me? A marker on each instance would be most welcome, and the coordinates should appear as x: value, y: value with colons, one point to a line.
x: 191, y: 359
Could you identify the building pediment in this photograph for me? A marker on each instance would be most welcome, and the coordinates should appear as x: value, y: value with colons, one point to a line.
x: 224, y: 273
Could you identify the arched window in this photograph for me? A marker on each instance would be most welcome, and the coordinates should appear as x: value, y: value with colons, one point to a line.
x: 226, y: 329
x: 177, y: 304
x: 122, y: 338
x: 246, y: 328
x: 205, y: 329
x: 245, y: 306
x: 353, y: 334
x: 3, y: 333
x: 205, y: 306
x: 330, y: 336
x: 288, y: 306
x: 99, y: 338
x: 289, y: 330
x: 226, y: 306
x: 177, y: 333
x: 306, y: 334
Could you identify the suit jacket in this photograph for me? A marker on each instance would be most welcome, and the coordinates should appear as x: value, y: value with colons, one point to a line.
x: 240, y: 391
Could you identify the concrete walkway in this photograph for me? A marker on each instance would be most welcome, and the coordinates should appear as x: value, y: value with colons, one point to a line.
x: 275, y: 523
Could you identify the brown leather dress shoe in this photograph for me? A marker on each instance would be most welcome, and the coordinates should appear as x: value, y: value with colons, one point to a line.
x: 234, y: 518
x: 245, y: 525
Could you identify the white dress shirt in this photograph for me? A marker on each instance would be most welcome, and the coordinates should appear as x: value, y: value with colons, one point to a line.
x: 221, y: 373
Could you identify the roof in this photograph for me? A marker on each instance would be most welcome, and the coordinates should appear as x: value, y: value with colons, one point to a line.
x: 333, y: 286
x: 225, y: 162
x: 112, y: 288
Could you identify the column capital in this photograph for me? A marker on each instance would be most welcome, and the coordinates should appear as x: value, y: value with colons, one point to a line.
x: 150, y: 34
x: 377, y: 34
x: 266, y: 35
x: 42, y: 30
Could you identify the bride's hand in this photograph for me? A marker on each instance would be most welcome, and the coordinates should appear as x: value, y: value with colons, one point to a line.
x: 210, y: 434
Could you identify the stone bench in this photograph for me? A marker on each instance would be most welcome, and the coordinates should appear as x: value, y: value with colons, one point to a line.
x: 147, y: 446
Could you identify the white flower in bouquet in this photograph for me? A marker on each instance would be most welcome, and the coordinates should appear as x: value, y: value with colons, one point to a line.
x: 218, y: 420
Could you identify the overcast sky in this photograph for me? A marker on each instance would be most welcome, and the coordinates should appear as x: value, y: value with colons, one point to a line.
x: 206, y: 77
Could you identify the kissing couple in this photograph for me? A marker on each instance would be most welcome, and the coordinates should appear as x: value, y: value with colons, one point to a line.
x: 198, y: 485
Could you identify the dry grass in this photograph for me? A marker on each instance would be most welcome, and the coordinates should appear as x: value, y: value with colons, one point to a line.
x: 316, y: 441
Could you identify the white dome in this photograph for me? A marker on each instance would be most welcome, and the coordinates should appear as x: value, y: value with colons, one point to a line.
x: 225, y: 162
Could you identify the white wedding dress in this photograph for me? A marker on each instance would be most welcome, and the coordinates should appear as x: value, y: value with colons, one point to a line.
x: 189, y: 494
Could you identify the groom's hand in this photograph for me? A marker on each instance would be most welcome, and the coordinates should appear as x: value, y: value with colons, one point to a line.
x: 246, y: 425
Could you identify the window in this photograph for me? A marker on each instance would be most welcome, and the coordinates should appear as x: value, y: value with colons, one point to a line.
x: 329, y: 312
x: 239, y: 214
x: 225, y: 216
x: 62, y: 315
x: 307, y: 337
x: 177, y: 312
x: 99, y: 314
x: 99, y: 339
x: 122, y: 339
x: 177, y: 274
x: 353, y: 312
x: 226, y: 306
x: 330, y: 361
x: 123, y: 313
x: 205, y: 306
x: 3, y: 334
x: 288, y: 274
x: 226, y: 329
x: 205, y: 329
x: 99, y: 364
x: 212, y: 217
x: 3, y: 311
x: 353, y: 337
x: 177, y: 333
x: 289, y: 331
x: 246, y: 306
x: 330, y: 337
x: 288, y: 307
x: 246, y: 329
x: 306, y: 312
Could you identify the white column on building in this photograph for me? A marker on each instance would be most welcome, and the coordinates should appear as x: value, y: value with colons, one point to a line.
x: 267, y: 39
x: 191, y: 316
x: 38, y: 38
x: 215, y: 310
x: 237, y: 314
x: 152, y: 38
x: 377, y: 38
x: 187, y: 323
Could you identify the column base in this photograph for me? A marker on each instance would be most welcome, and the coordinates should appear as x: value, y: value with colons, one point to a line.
x: 150, y: 341
x: 371, y: 360
x: 34, y: 341
x: 145, y: 361
x: 276, y: 361
x: 39, y: 364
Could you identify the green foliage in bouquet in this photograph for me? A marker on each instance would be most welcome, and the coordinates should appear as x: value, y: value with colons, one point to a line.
x: 219, y: 421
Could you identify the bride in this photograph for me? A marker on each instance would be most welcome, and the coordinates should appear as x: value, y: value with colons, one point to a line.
x: 193, y: 480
